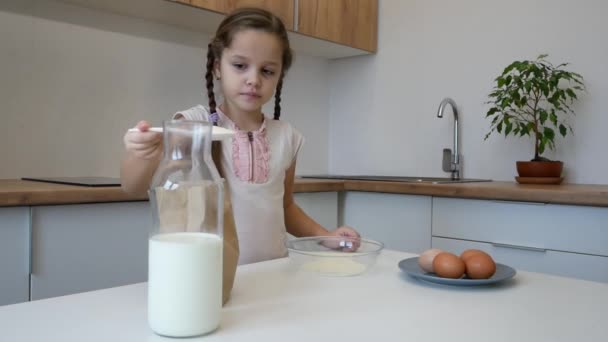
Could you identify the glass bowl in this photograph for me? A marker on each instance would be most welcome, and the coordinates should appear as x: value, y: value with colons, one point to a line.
x: 334, y: 255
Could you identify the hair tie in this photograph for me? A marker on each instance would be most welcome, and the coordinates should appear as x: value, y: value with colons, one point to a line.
x: 214, y: 118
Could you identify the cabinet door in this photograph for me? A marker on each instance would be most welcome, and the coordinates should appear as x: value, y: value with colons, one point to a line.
x: 86, y: 247
x: 582, y: 266
x: 14, y: 255
x: 401, y: 222
x: 283, y: 9
x: 321, y: 206
x: 349, y: 22
x: 212, y: 5
x: 565, y: 228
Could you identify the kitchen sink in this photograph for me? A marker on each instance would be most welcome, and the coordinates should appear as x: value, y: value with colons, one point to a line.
x: 432, y: 180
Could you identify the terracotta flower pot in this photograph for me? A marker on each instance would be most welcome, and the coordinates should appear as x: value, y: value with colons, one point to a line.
x: 540, y: 168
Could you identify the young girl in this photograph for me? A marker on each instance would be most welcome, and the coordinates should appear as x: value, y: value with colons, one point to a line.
x: 249, y: 57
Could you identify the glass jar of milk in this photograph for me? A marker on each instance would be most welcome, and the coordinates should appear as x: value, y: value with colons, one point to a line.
x: 185, y: 245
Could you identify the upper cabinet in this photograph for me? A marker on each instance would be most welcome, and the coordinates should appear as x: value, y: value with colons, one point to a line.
x: 322, y: 28
x: 213, y: 5
x: 349, y: 22
x: 283, y: 9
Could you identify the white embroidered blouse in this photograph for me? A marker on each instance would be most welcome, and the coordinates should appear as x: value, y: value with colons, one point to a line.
x: 254, y: 165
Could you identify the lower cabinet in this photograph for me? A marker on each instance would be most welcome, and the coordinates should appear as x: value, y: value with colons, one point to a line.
x: 14, y: 255
x: 582, y: 266
x: 401, y: 222
x: 557, y: 239
x: 85, y: 247
x: 320, y: 206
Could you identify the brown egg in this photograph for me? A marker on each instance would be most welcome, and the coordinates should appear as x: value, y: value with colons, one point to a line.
x: 480, y: 266
x: 448, y: 265
x: 470, y: 252
x: 426, y: 259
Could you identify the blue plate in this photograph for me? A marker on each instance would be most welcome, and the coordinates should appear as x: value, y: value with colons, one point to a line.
x: 411, y: 267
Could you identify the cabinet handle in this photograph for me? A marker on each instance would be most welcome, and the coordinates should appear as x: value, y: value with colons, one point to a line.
x: 519, y: 202
x: 296, y: 22
x: 29, y: 242
x: 525, y: 248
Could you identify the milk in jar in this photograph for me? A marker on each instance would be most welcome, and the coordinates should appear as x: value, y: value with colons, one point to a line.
x: 184, y: 289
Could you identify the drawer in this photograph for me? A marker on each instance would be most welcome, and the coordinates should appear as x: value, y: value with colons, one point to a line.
x: 401, y: 222
x: 582, y: 266
x: 557, y: 227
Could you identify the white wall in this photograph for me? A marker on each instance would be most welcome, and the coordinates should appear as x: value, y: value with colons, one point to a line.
x: 383, y: 107
x: 73, y: 80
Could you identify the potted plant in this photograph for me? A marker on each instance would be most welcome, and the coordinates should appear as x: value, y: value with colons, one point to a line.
x: 534, y: 98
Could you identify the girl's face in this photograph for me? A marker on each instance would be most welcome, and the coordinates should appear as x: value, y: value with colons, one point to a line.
x: 249, y: 69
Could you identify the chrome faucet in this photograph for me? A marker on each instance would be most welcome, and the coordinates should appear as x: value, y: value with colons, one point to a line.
x: 451, y: 161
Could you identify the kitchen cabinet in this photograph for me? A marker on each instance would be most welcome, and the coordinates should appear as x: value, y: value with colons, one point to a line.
x: 86, y: 247
x: 582, y: 266
x: 401, y: 222
x: 213, y: 5
x: 14, y: 255
x: 321, y: 206
x: 346, y: 30
x: 559, y: 239
x: 352, y: 23
x: 349, y: 22
x: 281, y: 8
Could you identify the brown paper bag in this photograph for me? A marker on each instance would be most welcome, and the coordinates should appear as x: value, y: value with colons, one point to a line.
x: 231, y: 241
x: 192, y: 208
x: 231, y: 250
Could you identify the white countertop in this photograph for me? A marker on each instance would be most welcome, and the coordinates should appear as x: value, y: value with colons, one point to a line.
x: 271, y: 302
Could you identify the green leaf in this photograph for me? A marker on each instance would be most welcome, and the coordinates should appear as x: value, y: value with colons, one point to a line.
x: 530, y: 126
x: 571, y: 93
x: 543, y: 116
x: 515, y: 95
x: 492, y: 111
x: 544, y: 88
x: 553, y: 117
x: 509, y: 128
x: 548, y: 133
x: 563, y: 130
x: 500, y: 82
x: 541, y: 147
x: 523, y: 101
x: 499, y: 127
x: 511, y: 67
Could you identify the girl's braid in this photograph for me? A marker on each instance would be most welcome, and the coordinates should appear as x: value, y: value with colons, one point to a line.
x: 209, y: 78
x: 277, y: 98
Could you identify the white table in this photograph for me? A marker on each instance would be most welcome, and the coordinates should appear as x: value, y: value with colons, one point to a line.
x: 271, y: 302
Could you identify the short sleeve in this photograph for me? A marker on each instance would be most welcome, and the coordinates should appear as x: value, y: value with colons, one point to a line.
x: 297, y: 140
x: 195, y: 113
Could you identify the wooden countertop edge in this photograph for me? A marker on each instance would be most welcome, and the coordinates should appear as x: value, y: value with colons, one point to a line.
x: 23, y: 193
x: 27, y: 193
x: 76, y: 196
x: 505, y: 191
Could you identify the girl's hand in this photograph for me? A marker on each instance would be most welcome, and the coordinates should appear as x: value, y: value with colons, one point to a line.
x: 351, y: 239
x: 144, y: 144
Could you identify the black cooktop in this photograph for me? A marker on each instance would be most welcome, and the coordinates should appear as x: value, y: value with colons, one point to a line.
x: 82, y: 181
